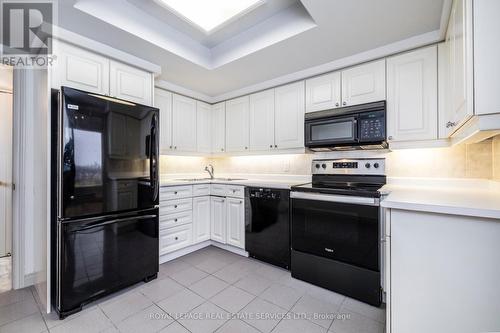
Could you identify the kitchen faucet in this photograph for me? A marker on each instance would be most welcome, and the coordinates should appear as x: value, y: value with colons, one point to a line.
x: 210, y: 169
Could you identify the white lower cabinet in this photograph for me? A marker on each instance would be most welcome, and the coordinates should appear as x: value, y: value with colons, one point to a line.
x: 175, y: 238
x: 235, y: 221
x: 218, y: 219
x: 201, y: 219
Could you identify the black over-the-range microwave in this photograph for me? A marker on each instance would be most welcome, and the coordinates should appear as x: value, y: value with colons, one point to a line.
x: 353, y: 127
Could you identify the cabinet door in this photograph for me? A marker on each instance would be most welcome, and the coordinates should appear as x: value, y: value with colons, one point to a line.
x: 80, y: 69
x: 203, y: 127
x: 412, y: 95
x: 323, y: 92
x: 219, y: 127
x: 235, y: 218
x: 237, y: 129
x: 175, y: 238
x: 201, y: 219
x: 218, y: 219
x: 364, y: 83
x: 289, y: 116
x: 183, y: 123
x: 131, y: 84
x: 262, y: 121
x: 458, y: 40
x: 163, y: 101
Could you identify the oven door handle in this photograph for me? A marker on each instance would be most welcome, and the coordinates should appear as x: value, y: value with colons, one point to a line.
x: 336, y: 198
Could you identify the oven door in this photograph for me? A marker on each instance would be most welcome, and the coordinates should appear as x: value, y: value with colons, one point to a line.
x: 332, y: 131
x: 343, y: 228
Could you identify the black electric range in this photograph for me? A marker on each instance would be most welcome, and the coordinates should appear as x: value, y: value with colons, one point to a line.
x: 336, y: 227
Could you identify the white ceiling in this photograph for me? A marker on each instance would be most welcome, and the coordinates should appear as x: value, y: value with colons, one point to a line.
x: 275, y: 40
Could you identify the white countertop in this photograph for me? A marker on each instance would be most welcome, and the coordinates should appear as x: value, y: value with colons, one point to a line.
x: 478, y: 198
x: 271, y: 181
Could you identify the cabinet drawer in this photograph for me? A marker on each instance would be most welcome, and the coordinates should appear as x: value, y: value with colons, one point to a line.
x: 235, y: 191
x: 218, y: 189
x: 175, y: 238
x: 175, y: 206
x: 173, y: 220
x: 176, y: 192
x: 201, y: 190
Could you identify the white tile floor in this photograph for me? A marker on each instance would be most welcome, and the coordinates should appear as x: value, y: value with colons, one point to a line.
x: 210, y: 290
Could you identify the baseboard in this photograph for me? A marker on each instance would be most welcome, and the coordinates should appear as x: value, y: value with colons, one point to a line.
x: 192, y: 248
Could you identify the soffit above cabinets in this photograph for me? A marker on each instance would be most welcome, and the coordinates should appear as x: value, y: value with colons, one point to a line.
x: 276, y: 39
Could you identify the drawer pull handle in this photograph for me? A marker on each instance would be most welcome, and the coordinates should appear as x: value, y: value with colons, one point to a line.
x: 176, y: 238
x: 175, y: 192
x: 175, y: 206
x: 175, y: 220
x: 234, y: 191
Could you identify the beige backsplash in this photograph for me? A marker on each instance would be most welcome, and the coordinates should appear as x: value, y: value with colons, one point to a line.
x: 481, y: 160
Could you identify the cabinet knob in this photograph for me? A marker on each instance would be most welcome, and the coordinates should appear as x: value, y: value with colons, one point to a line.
x: 275, y: 146
x: 246, y: 147
x: 175, y: 147
x: 175, y: 206
x: 337, y: 104
x: 176, y: 238
x: 175, y: 192
x: 234, y: 191
x: 170, y: 147
x: 344, y: 103
x: 390, y: 137
x: 222, y: 149
x: 451, y: 124
x: 175, y: 220
x: 270, y: 146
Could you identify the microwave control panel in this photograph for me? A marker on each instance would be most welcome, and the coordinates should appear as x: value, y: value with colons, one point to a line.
x: 372, y: 127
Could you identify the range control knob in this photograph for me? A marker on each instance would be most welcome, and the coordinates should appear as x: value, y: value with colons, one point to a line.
x: 317, y: 166
x: 323, y: 166
x: 376, y: 165
x: 368, y: 165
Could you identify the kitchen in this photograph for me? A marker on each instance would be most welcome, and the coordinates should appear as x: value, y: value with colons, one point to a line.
x: 238, y: 191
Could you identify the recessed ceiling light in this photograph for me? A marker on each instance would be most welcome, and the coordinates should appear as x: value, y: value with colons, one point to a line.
x: 210, y: 15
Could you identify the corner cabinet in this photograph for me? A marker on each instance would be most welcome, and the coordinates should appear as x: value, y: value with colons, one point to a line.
x: 364, y: 83
x: 218, y: 122
x: 82, y: 69
x: 129, y: 83
x: 203, y: 127
x: 289, y: 116
x: 237, y: 129
x: 412, y: 100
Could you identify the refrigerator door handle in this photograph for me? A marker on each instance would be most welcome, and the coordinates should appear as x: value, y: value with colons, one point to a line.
x: 133, y: 218
x: 153, y: 157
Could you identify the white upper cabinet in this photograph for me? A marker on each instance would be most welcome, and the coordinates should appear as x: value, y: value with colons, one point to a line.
x: 235, y: 217
x: 412, y: 95
x: 323, y: 92
x: 130, y: 83
x: 203, y: 127
x: 80, y: 69
x: 459, y: 57
x: 262, y: 121
x: 486, y: 57
x: 364, y: 83
x: 183, y: 123
x: 237, y: 129
x: 289, y: 116
x: 163, y: 101
x: 219, y: 128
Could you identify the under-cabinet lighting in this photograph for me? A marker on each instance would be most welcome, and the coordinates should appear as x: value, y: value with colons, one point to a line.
x: 210, y: 15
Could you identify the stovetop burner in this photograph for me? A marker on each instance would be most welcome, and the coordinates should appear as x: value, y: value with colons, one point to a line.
x: 356, y: 177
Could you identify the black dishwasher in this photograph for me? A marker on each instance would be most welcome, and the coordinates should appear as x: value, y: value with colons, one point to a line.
x: 267, y: 225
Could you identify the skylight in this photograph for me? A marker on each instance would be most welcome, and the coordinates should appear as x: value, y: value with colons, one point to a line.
x: 210, y: 15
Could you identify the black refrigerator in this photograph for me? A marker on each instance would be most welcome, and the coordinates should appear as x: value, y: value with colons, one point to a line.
x: 105, y: 184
